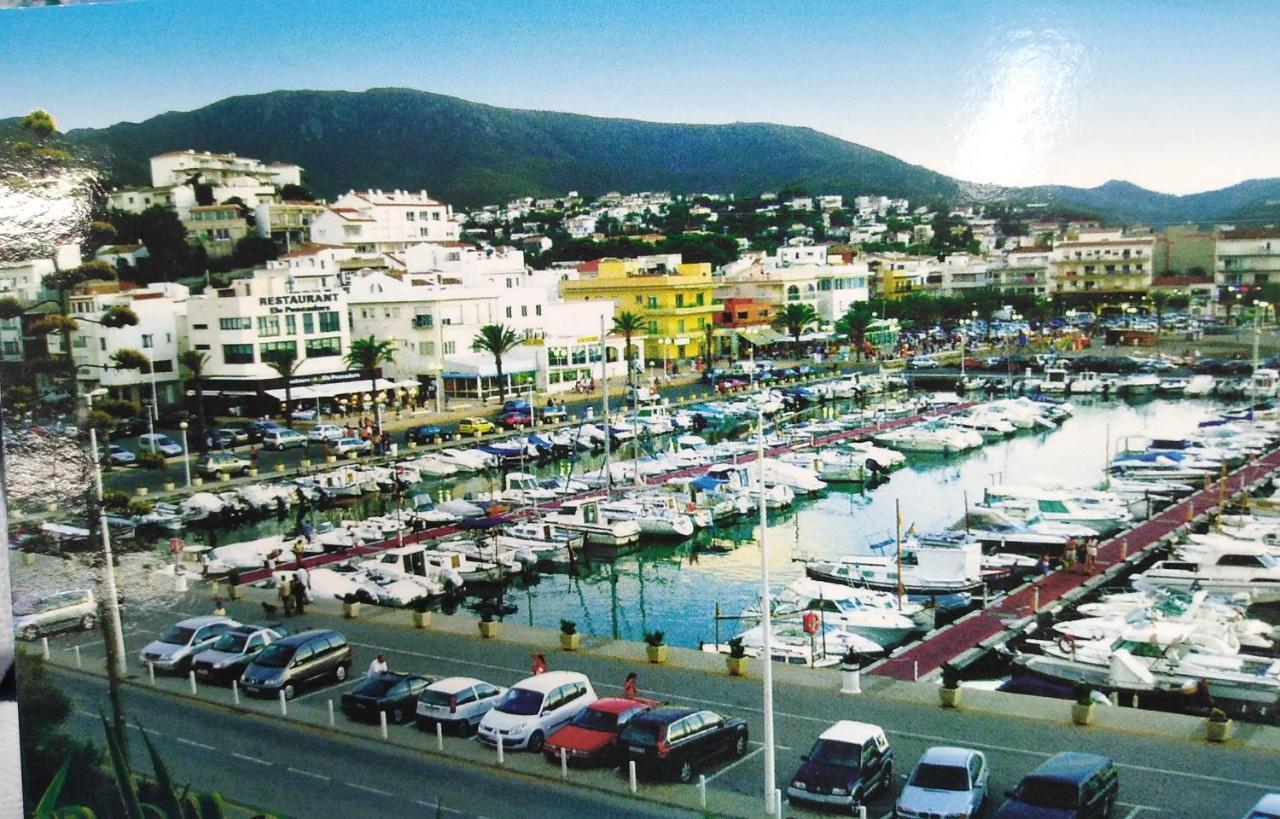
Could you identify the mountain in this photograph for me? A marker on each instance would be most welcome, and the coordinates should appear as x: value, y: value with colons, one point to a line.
x: 1125, y: 201
x: 468, y: 153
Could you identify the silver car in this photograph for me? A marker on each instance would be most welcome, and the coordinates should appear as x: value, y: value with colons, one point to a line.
x: 949, y: 782
x: 181, y: 642
x: 35, y: 616
x: 458, y: 703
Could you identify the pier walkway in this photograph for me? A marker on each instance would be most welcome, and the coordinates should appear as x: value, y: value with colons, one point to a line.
x: 935, y: 650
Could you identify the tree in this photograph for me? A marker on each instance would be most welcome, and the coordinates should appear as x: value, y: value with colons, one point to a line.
x: 286, y: 364
x: 795, y: 318
x: 708, y: 344
x: 195, y: 362
x: 1159, y: 301
x: 497, y: 340
x: 252, y: 251
x: 295, y: 193
x: 854, y: 323
x: 367, y: 355
x: 629, y: 324
x: 40, y: 123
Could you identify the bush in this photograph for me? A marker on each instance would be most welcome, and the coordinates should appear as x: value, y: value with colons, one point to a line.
x: 152, y: 460
x: 115, y: 501
x: 950, y: 676
x: 1084, y: 694
x: 736, y: 649
x: 420, y: 604
x: 1218, y: 715
x: 568, y: 627
x: 350, y: 598
x: 654, y: 638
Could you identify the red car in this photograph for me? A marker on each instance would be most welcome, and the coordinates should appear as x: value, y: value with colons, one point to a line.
x: 591, y: 737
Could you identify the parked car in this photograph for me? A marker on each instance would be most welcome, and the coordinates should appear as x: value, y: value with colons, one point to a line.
x: 714, y: 375
x: 342, y: 446
x: 216, y: 463
x: 554, y: 414
x: 1070, y: 785
x: 280, y: 438
x: 848, y: 763
x: 534, y: 708
x: 302, y: 414
x: 231, y: 653
x: 677, y: 742
x: 252, y: 429
x: 293, y: 662
x: 223, y: 438
x: 35, y: 616
x: 391, y: 692
x: 180, y: 643
x: 117, y: 455
x: 948, y: 782
x: 591, y: 737
x: 1268, y: 807
x: 156, y: 442
x: 128, y: 427
x: 923, y: 362
x: 457, y: 702
x: 511, y: 420
x: 321, y: 433
x: 425, y: 434
x: 516, y: 405
x: 170, y: 419
x: 472, y: 426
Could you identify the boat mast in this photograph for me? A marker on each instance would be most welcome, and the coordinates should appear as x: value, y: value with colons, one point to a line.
x: 897, y: 508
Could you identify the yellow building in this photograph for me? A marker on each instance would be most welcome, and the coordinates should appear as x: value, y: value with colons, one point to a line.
x: 674, y: 299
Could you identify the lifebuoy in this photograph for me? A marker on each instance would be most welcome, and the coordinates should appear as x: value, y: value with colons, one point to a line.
x: 1067, y: 644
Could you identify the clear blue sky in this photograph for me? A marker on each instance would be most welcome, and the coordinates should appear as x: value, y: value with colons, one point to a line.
x: 1173, y: 95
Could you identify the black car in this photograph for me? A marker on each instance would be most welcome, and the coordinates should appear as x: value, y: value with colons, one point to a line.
x: 129, y: 427
x: 222, y: 438
x: 425, y: 434
x: 676, y: 742
x: 231, y: 654
x: 252, y: 429
x: 849, y: 762
x: 392, y: 692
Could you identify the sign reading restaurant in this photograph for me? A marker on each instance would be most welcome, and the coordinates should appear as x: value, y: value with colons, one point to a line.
x: 298, y: 302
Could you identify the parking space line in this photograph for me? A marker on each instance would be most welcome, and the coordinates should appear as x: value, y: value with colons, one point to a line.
x: 368, y: 789
x: 1138, y: 808
x: 331, y: 687
x: 253, y: 759
x: 193, y: 743
x: 436, y: 806
x: 311, y: 774
x: 775, y: 745
x: 733, y: 765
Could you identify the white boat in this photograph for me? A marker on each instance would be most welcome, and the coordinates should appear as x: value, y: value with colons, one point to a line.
x: 1172, y: 387
x: 791, y: 645
x: 253, y: 554
x: 1088, y: 383
x: 1238, y: 568
x: 740, y: 479
x: 1199, y: 386
x: 1055, y: 380
x: 998, y: 529
x: 989, y: 425
x: 550, y: 544
x: 952, y: 567
x: 437, y: 467
x: 200, y: 506
x: 1102, y: 514
x: 655, y: 521
x: 584, y: 516
x: 467, y: 460
x: 1264, y: 383
x: 799, y: 479
x: 879, y: 616
x: 1139, y: 384
x: 930, y: 437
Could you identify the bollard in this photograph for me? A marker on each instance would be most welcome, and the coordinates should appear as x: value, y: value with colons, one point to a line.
x: 631, y: 775
x: 1035, y: 599
x: 915, y: 671
x: 862, y: 812
x: 235, y: 692
x: 330, y: 713
x: 191, y: 677
x: 179, y: 581
x: 151, y: 673
x: 1124, y: 548
x: 777, y: 802
x: 702, y: 791
x: 78, y: 663
x: 439, y: 736
x: 850, y: 681
x: 284, y: 709
x: 986, y: 600
x: 1115, y: 698
x: 500, y: 761
x: 382, y: 723
x: 44, y: 647
x: 564, y: 764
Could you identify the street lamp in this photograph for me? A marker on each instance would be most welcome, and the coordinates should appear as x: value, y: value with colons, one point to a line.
x: 186, y: 452
x: 111, y: 604
x: 766, y: 653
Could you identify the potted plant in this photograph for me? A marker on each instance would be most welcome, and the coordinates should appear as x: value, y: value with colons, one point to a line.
x: 421, y: 612
x: 488, y: 626
x: 233, y: 582
x: 350, y: 606
x: 736, y: 662
x: 1217, y: 727
x: 570, y: 639
x: 655, y: 647
x: 949, y: 693
x: 1082, y: 708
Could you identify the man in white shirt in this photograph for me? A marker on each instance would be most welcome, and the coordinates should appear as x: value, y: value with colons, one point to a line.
x: 378, y: 666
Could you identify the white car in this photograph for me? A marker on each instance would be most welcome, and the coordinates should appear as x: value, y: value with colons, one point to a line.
x: 945, y: 782
x: 325, y: 432
x: 923, y: 362
x: 341, y: 446
x: 303, y: 415
x: 181, y: 642
x: 1268, y: 807
x: 35, y: 616
x: 155, y: 442
x: 457, y: 703
x: 534, y: 708
x: 282, y: 439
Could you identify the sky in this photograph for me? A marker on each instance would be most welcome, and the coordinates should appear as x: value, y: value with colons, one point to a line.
x: 1173, y: 95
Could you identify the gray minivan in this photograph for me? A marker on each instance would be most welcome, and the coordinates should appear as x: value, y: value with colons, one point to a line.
x: 1069, y: 785
x: 293, y: 662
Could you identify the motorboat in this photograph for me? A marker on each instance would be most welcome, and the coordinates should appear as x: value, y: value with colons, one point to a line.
x: 654, y: 520
x: 879, y: 616
x: 989, y: 425
x: 1059, y: 507
x: 411, y: 561
x: 920, y: 569
x: 790, y: 644
x: 1199, y: 386
x: 585, y: 516
x: 1055, y: 380
x: 1139, y: 384
x: 1264, y: 383
x: 996, y: 528
x: 550, y: 544
x: 741, y: 479
x: 799, y: 479
x: 1240, y: 567
x: 930, y: 437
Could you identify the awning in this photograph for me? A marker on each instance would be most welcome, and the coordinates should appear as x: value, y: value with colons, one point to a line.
x: 761, y: 336
x: 314, y: 391
x: 470, y: 365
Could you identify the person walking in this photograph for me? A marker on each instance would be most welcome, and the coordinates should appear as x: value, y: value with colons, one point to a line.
x: 219, y: 608
x: 539, y: 664
x: 629, y: 688
x: 298, y: 586
x: 286, y: 594
x: 378, y: 666
x: 1091, y: 555
x: 1068, y: 554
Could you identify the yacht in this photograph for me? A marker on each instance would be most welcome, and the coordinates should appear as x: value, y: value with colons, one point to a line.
x: 1088, y: 383
x: 411, y: 560
x: 879, y: 616
x: 930, y: 437
x: 741, y: 479
x: 989, y: 425
x: 1139, y: 384
x: 1264, y: 383
x: 1055, y: 380
x: 1240, y: 567
x: 550, y: 544
x: 585, y: 516
x: 996, y: 528
x: 926, y: 568
x: 654, y: 520
x: 1102, y: 513
x: 799, y: 479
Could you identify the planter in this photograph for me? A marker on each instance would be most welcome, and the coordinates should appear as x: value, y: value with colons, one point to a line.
x: 305, y: 463
x: 352, y: 455
x: 1081, y: 714
x: 949, y: 697
x: 736, y: 666
x: 253, y: 471
x: 657, y: 654
x: 412, y: 445
x: 489, y: 630
x: 237, y: 592
x: 280, y: 467
x: 197, y: 481
x: 422, y: 619
x: 331, y: 459
x: 169, y: 486
x: 1217, y: 731
x: 142, y: 491
x: 570, y: 642
x: 351, y: 610
x: 51, y: 507
x: 28, y: 558
x: 225, y: 477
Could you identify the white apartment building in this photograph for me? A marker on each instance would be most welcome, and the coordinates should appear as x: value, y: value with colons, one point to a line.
x: 796, y: 275
x: 173, y: 172
x: 1247, y: 258
x: 1102, y: 262
x: 21, y: 280
x: 136, y: 200
x: 1026, y: 270
x: 580, y: 227
x: 289, y: 223
x: 161, y: 309
x: 381, y: 222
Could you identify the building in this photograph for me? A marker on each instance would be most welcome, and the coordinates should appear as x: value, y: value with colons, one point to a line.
x: 161, y: 310
x: 124, y: 258
x: 676, y: 300
x: 1185, y: 249
x: 1026, y: 270
x: 810, y: 274
x: 220, y: 170
x: 1102, y: 263
x: 1247, y: 258
x: 381, y: 222
x: 22, y: 281
x: 136, y: 200
x: 288, y: 223
x: 216, y: 227
x: 580, y: 227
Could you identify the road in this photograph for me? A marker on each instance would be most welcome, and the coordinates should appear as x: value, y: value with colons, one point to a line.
x: 1161, y: 772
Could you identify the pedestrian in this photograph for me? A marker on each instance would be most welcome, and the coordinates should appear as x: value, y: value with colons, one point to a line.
x: 539, y: 664
x: 379, y: 665
x: 253, y: 457
x: 1091, y: 555
x: 298, y: 549
x: 219, y: 609
x: 298, y: 585
x: 1081, y: 548
x: 1043, y: 565
x: 629, y: 689
x: 285, y: 591
x: 1068, y: 554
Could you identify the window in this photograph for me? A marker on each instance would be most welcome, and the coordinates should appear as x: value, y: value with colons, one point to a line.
x: 202, y: 346
x: 424, y: 231
x: 422, y: 322
x: 330, y: 322
x: 557, y: 356
x: 537, y: 309
x: 578, y: 355
x: 102, y: 343
x: 508, y: 312
x: 11, y: 348
x: 268, y: 326
x: 701, y: 299
x: 653, y: 302
x: 680, y: 326
x: 450, y: 347
x: 321, y: 347
x: 163, y: 366
x: 524, y: 311
x: 273, y: 348
x: 308, y: 323
x: 679, y: 300
x: 408, y: 215
x: 80, y: 342
x: 237, y: 353
x: 426, y: 348
x: 291, y: 325
x: 435, y: 216
x: 199, y: 327
x: 653, y: 328
x: 235, y: 323
x: 639, y: 299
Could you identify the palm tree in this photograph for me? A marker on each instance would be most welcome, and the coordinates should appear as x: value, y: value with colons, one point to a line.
x: 795, y: 318
x: 628, y: 324
x: 367, y: 355
x: 708, y: 344
x: 195, y: 362
x: 854, y: 324
x: 1159, y: 301
x: 286, y: 364
x: 497, y: 340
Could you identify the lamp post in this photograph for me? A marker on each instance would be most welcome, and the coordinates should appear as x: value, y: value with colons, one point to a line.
x: 155, y: 404
x: 186, y: 452
x: 766, y: 652
x: 112, y: 602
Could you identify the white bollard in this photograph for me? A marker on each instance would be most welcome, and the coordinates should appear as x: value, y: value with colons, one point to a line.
x: 777, y: 802
x: 78, y: 663
x: 235, y: 692
x: 44, y: 647
x: 631, y: 775
x: 862, y: 812
x: 702, y: 791
x: 439, y: 736
x: 151, y: 673
x: 191, y: 676
x: 500, y: 759
x: 915, y: 671
x: 1035, y: 599
x: 284, y: 709
x: 330, y: 713
x: 850, y: 681
x: 564, y: 764
x: 382, y: 723
x: 180, y: 581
